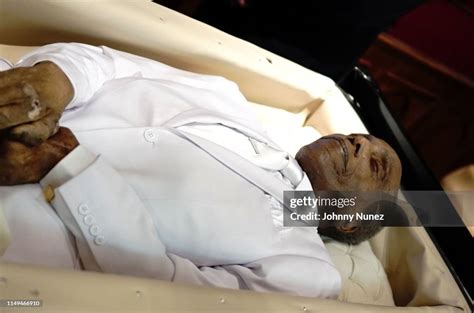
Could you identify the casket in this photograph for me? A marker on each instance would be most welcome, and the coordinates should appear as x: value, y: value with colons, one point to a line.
x: 399, y: 270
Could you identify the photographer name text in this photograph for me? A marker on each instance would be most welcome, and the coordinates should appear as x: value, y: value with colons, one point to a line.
x: 312, y: 216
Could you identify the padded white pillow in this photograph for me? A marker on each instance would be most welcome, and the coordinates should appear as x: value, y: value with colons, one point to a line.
x: 363, y: 278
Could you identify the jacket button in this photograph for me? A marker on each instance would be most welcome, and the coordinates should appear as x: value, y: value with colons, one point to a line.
x: 89, y: 220
x: 83, y: 209
x: 150, y: 135
x: 99, y: 240
x: 94, y: 230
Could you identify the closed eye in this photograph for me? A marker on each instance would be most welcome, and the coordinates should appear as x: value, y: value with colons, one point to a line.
x: 374, y: 166
x: 378, y: 167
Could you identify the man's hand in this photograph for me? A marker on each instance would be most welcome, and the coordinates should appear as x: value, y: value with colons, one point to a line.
x: 22, y: 164
x: 32, y: 100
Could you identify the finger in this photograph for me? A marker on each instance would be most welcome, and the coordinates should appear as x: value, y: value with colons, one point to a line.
x: 26, y: 111
x: 14, y: 75
x: 11, y: 94
x: 37, y: 132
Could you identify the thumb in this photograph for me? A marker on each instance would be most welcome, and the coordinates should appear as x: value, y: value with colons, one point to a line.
x: 34, y: 133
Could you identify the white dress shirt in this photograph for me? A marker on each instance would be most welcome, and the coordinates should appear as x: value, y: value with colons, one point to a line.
x: 174, y: 180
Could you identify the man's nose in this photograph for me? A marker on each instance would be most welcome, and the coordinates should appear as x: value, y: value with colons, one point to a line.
x: 358, y: 141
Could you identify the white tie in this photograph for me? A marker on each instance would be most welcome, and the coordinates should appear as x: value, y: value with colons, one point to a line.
x: 272, y: 159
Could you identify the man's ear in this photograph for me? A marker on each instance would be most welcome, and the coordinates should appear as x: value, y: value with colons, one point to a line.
x: 347, y: 228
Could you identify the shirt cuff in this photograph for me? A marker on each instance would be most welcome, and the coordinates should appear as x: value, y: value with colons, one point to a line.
x: 69, y: 167
x: 5, y: 64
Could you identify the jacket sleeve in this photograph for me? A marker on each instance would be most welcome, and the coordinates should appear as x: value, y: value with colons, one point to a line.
x: 288, y: 274
x: 116, y: 233
x: 90, y: 67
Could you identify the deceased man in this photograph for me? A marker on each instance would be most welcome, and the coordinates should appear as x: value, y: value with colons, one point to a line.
x: 116, y: 163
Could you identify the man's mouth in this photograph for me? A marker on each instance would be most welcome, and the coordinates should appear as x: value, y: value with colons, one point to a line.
x: 344, y: 150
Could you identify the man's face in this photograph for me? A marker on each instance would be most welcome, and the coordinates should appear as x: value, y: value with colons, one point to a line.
x: 353, y: 163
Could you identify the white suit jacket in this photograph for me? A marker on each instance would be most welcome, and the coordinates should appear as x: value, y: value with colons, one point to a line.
x: 146, y: 196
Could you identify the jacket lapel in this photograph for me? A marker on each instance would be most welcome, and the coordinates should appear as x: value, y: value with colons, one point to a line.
x: 242, y: 167
x: 249, y: 127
